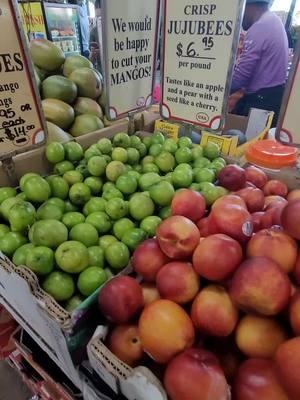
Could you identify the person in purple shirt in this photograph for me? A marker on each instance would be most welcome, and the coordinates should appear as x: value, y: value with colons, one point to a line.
x: 262, y: 68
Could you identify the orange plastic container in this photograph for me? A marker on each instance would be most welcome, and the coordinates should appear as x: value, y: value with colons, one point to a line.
x: 271, y: 154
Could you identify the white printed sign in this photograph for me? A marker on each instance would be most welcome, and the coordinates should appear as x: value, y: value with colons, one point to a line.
x: 200, y: 41
x: 129, y: 37
x: 21, y: 121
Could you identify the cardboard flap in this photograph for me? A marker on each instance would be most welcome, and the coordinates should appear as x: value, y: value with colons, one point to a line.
x: 257, y: 122
x: 238, y: 122
x: 141, y: 385
x: 17, y: 297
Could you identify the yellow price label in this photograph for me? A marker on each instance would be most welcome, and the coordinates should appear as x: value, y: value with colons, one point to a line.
x: 228, y: 145
x: 170, y: 130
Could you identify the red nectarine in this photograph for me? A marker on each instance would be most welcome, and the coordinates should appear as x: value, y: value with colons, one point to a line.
x: 124, y: 342
x: 189, y: 204
x: 290, y: 219
x: 177, y: 281
x: 121, y: 299
x: 165, y: 330
x: 256, y: 176
x: 234, y: 221
x: 259, y: 337
x: 272, y: 215
x: 260, y: 286
x: 231, y: 199
x: 178, y: 237
x: 271, y: 201
x: 276, y: 245
x: 287, y: 361
x: 148, y: 258
x: 196, y: 374
x: 254, y: 198
x: 256, y: 380
x: 232, y: 177
x: 275, y: 187
x: 217, y: 257
x: 213, y: 312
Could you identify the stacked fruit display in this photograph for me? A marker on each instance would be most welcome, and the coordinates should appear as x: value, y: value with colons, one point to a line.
x: 81, y: 223
x: 71, y: 91
x: 216, y: 304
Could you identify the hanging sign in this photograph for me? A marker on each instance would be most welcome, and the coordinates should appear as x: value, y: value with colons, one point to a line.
x: 21, y: 121
x: 129, y: 37
x: 200, y: 42
x: 288, y: 131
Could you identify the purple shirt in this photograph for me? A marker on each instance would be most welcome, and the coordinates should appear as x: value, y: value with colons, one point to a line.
x: 264, y: 60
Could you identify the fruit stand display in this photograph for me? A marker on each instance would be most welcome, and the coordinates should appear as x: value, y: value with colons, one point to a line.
x: 175, y: 268
x: 78, y: 226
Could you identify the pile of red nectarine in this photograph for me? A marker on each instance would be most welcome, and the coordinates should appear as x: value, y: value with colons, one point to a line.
x: 215, y: 301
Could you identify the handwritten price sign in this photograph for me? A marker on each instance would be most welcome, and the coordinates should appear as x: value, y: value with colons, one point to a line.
x: 21, y: 123
x: 190, y: 52
x: 199, y: 53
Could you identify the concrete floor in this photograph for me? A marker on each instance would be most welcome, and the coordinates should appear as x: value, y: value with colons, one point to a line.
x: 11, y: 384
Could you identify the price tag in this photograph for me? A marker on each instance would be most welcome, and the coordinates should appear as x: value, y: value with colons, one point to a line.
x: 288, y: 131
x: 200, y: 41
x: 170, y: 130
x: 21, y: 121
x: 129, y: 37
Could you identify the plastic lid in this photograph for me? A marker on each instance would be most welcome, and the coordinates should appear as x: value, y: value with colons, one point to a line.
x: 271, y: 154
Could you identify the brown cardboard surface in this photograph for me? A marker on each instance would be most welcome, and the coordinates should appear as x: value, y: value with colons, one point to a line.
x: 236, y: 122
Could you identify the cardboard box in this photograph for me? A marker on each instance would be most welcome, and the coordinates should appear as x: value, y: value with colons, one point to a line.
x: 145, y: 121
x: 256, y: 127
x: 134, y: 383
x: 39, y: 315
x: 39, y: 372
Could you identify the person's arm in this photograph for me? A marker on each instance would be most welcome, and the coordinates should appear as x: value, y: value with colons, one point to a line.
x: 245, y: 69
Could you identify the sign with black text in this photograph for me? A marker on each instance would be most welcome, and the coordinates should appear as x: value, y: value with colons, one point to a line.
x: 21, y: 125
x: 129, y: 37
x: 288, y: 131
x: 200, y: 42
